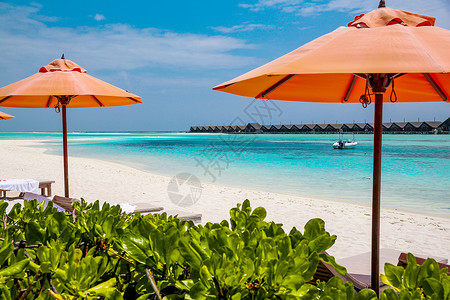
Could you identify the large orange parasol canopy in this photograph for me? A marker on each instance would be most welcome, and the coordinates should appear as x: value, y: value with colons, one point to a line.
x: 333, y: 67
x: 59, y: 85
x: 386, y: 50
x: 4, y: 116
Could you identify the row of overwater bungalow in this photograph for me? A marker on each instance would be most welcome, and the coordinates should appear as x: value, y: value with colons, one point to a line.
x: 392, y: 127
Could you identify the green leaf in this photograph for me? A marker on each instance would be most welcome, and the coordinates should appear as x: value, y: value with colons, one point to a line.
x: 134, y: 246
x: 432, y: 287
x: 326, y: 258
x: 34, y: 233
x: 16, y: 269
x: 198, y: 291
x: 5, y: 251
x: 308, y: 292
x: 393, y: 276
x: 187, y: 251
x: 366, y: 294
x: 389, y: 294
x: 411, y: 273
x: 314, y: 228
x: 260, y: 212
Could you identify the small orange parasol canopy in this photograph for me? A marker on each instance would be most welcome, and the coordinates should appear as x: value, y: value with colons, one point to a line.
x: 62, y: 78
x: 4, y: 116
x: 386, y: 50
x: 59, y: 85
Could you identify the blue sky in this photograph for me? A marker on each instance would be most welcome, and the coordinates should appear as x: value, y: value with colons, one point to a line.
x: 172, y: 53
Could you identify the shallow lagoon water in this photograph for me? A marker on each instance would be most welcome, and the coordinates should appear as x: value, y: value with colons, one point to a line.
x: 415, y: 168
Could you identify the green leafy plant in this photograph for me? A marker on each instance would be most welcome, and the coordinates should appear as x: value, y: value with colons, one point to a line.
x: 104, y: 253
x: 427, y: 281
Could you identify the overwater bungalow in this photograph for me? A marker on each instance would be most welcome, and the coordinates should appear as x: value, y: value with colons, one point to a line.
x: 291, y: 128
x: 240, y: 128
x: 412, y: 126
x: 253, y: 128
x: 319, y: 128
x: 265, y: 128
x: 445, y: 126
x: 429, y: 126
x: 358, y: 127
x: 346, y: 127
x: 401, y: 125
x: 333, y: 128
x: 284, y: 128
x: 388, y: 127
x: 305, y: 128
x: 394, y: 127
x: 368, y: 127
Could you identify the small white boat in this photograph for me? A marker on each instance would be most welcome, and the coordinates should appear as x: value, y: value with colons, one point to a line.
x: 345, y: 144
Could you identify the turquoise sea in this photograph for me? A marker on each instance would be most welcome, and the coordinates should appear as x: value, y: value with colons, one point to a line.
x: 415, y: 168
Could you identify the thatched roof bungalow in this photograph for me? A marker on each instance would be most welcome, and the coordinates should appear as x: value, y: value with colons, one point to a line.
x: 412, y: 126
x: 402, y: 125
x: 346, y: 127
x: 253, y: 128
x: 319, y: 127
x: 357, y: 127
x: 333, y: 127
x: 394, y: 127
x: 425, y: 127
x: 429, y: 126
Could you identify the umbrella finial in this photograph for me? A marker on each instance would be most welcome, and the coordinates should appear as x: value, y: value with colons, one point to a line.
x: 382, y: 4
x: 62, y: 57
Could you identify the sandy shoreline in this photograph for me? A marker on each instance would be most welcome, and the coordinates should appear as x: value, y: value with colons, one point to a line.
x: 95, y: 179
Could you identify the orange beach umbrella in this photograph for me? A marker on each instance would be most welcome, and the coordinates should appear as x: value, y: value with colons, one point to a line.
x: 385, y: 51
x: 4, y: 116
x: 64, y: 84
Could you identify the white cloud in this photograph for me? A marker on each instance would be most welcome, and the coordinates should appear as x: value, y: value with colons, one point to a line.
x: 241, y: 28
x: 436, y: 8
x: 27, y: 40
x: 262, y: 4
x: 99, y: 17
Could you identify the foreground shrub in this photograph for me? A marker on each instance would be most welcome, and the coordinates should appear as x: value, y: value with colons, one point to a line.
x: 106, y: 254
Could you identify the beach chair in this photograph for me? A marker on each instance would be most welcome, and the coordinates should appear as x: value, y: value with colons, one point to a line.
x: 185, y: 216
x: 403, y: 261
x: 145, y: 208
x: 325, y: 271
x: 142, y: 208
x: 46, y: 187
x: 41, y: 199
x: 67, y: 204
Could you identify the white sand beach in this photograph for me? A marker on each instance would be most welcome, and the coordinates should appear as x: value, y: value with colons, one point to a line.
x: 112, y: 182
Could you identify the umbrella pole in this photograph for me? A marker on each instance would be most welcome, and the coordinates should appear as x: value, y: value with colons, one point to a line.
x: 376, y: 190
x: 66, y: 168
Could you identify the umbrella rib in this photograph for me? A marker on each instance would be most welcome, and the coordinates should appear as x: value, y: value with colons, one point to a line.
x: 350, y: 88
x: 4, y: 99
x: 98, y: 101
x: 131, y: 98
x: 275, y: 86
x: 49, y: 101
x: 435, y: 86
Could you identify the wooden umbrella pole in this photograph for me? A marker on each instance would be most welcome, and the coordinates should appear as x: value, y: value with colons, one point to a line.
x: 376, y: 192
x: 66, y: 159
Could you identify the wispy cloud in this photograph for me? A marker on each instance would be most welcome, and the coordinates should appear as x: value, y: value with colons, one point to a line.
x: 112, y: 46
x: 99, y: 17
x: 437, y: 8
x: 279, y: 4
x: 241, y: 28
